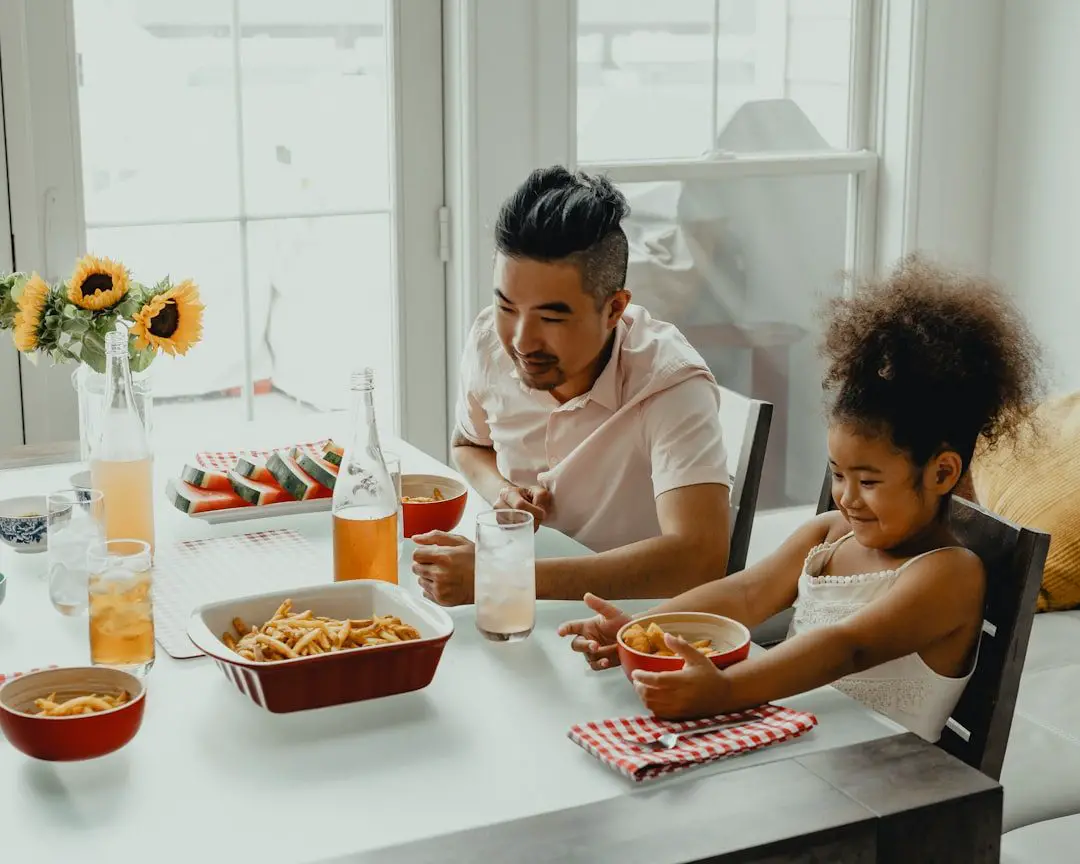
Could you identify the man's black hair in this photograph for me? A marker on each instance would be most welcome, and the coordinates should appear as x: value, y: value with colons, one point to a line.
x: 560, y: 215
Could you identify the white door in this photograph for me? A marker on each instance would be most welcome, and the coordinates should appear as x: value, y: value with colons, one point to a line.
x: 285, y: 156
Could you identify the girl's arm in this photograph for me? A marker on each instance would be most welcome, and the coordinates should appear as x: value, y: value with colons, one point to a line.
x: 755, y: 594
x: 932, y: 600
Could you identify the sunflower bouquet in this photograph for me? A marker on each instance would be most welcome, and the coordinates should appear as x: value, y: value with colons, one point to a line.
x: 68, y: 320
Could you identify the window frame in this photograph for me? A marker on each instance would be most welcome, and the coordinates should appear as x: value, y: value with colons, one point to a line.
x: 46, y: 203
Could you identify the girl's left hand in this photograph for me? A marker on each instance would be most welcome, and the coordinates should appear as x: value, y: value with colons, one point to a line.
x: 699, y: 689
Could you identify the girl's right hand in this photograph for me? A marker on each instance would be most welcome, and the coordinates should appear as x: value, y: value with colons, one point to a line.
x: 595, y: 637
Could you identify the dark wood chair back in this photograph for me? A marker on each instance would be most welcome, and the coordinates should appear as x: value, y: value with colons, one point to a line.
x: 978, y: 731
x: 745, y: 423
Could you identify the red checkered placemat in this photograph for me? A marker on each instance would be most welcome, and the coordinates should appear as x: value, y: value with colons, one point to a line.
x: 606, y: 740
x: 225, y: 459
x: 195, y: 572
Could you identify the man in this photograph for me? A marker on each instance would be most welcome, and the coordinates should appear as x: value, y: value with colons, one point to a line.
x: 584, y: 411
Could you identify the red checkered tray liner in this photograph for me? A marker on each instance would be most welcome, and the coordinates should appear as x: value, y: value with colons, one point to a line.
x: 226, y: 459
x: 189, y: 574
x: 639, y: 762
x: 9, y: 675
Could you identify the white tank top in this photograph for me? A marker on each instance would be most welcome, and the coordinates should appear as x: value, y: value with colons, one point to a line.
x: 905, y: 689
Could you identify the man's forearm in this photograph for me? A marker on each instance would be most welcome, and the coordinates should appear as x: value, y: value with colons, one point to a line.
x: 659, y: 567
x: 478, y: 466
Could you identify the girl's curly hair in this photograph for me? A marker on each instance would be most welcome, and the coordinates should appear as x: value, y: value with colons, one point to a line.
x: 932, y: 358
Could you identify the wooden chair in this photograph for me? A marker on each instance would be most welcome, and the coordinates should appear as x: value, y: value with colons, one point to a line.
x: 745, y: 423
x: 978, y: 731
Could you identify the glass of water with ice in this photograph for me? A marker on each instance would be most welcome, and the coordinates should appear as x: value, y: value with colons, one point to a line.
x: 505, y: 581
x: 76, y: 521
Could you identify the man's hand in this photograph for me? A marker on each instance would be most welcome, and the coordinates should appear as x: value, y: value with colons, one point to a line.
x: 595, y: 637
x: 699, y: 689
x: 532, y: 499
x: 445, y: 567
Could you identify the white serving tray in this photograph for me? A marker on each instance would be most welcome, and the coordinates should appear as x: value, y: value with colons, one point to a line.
x: 264, y: 511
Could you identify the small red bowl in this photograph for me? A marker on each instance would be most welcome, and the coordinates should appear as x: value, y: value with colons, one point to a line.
x: 422, y: 516
x: 82, y: 736
x: 728, y: 636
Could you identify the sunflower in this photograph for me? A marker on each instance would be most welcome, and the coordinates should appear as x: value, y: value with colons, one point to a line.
x: 97, y: 283
x: 28, y: 319
x: 170, y: 321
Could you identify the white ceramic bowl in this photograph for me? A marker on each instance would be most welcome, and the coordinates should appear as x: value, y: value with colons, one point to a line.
x: 23, y: 523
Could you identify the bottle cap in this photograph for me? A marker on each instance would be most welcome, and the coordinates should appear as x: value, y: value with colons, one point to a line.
x: 116, y: 344
x: 363, y: 379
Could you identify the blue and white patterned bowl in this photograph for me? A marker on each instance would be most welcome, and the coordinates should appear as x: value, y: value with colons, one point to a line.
x: 23, y: 523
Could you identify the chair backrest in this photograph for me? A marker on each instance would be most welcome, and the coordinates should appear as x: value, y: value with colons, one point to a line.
x: 978, y: 730
x: 745, y: 423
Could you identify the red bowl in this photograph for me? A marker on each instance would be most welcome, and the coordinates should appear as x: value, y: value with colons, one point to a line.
x: 421, y: 517
x: 82, y: 736
x: 728, y: 636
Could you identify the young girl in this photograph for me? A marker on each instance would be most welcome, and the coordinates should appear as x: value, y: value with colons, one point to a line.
x: 888, y: 605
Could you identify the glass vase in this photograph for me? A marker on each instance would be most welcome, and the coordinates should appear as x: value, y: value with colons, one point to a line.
x: 90, y: 387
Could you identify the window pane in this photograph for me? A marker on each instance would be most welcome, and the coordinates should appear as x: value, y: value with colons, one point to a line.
x: 316, y: 135
x: 703, y: 255
x: 322, y: 305
x: 166, y: 146
x: 157, y: 119
x: 213, y: 371
x: 646, y: 84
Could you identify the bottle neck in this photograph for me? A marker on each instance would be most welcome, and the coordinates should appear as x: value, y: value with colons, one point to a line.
x: 365, y: 429
x: 119, y: 390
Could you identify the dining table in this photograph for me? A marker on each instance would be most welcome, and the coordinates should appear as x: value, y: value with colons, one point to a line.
x: 476, y: 767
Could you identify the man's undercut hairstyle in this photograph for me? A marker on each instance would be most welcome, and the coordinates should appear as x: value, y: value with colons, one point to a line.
x: 561, y: 216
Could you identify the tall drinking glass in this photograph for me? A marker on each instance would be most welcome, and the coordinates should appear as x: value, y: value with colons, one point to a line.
x: 505, y: 580
x: 75, y: 521
x: 121, y: 608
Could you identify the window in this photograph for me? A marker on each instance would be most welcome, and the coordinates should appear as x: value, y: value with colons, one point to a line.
x: 737, y: 132
x: 255, y: 146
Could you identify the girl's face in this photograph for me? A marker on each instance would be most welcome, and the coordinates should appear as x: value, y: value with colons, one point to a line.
x: 878, y: 489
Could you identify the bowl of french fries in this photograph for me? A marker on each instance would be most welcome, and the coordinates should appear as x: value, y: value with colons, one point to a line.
x: 323, y: 645
x: 431, y: 503
x: 641, y: 643
x: 74, y: 713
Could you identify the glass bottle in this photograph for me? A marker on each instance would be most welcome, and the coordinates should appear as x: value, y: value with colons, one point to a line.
x: 121, y: 461
x: 365, y: 508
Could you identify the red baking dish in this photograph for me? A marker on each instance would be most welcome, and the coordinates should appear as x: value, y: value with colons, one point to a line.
x: 80, y: 736
x: 730, y: 638
x: 336, y: 678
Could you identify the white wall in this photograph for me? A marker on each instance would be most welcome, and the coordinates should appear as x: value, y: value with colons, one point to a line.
x: 1036, y: 232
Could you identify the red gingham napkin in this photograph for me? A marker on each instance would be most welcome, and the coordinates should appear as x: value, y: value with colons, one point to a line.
x: 9, y: 675
x: 224, y: 460
x: 605, y: 740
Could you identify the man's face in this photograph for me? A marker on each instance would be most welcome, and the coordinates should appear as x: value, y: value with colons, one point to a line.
x: 548, y: 324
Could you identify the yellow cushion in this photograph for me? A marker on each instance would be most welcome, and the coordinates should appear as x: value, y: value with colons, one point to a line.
x: 1035, y: 483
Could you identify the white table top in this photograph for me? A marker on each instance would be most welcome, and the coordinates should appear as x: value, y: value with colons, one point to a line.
x: 211, y: 772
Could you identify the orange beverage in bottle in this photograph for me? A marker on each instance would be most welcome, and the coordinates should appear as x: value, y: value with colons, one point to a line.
x: 365, y: 548
x: 121, y: 605
x: 128, y: 487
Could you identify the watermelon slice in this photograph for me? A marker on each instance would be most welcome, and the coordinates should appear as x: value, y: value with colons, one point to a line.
x: 254, y: 492
x: 254, y: 468
x: 324, y: 472
x: 294, y: 479
x: 333, y: 454
x: 193, y: 500
x: 206, y: 478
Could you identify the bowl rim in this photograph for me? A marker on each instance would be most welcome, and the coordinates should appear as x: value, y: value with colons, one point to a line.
x: 703, y: 616
x: 62, y: 669
x: 218, y: 650
x: 464, y: 489
x: 42, y: 499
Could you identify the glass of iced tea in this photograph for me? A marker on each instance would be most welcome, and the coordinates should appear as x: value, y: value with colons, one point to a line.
x: 121, y: 607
